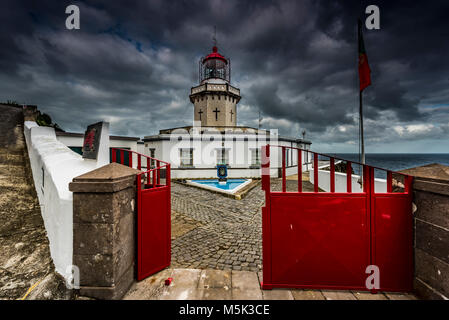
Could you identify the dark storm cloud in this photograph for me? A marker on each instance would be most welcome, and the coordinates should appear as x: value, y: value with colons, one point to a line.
x: 133, y: 63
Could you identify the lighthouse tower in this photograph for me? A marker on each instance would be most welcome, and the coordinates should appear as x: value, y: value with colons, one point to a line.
x: 214, y: 99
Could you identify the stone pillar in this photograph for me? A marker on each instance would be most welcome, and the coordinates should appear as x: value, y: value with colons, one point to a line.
x: 431, y: 219
x: 104, y: 236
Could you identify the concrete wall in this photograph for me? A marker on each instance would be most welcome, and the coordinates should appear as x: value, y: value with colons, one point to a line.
x: 380, y: 185
x: 54, y: 165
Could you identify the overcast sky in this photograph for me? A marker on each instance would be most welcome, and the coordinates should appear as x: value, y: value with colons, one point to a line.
x: 133, y: 64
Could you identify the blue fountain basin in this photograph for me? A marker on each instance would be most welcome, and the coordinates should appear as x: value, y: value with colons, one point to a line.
x: 230, y: 186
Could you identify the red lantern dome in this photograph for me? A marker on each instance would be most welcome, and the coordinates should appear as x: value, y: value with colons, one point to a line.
x: 215, y: 55
x: 215, y: 67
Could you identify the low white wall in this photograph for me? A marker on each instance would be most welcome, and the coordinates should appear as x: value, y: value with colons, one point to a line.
x: 54, y: 166
x: 380, y: 185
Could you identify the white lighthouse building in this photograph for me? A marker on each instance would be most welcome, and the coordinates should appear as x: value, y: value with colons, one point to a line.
x: 214, y: 138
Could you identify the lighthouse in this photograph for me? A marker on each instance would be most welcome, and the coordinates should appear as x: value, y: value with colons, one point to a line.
x: 215, y: 99
x: 216, y: 141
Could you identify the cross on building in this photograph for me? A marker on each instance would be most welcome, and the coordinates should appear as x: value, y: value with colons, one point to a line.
x: 231, y: 115
x: 200, y: 112
x: 216, y: 113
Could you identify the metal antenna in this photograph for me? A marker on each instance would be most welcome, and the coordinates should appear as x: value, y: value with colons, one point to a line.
x: 215, y: 36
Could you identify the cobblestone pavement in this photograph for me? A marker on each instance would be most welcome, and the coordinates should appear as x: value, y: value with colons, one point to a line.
x: 216, y: 232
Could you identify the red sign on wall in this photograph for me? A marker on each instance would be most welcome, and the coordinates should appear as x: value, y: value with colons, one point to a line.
x: 92, y: 141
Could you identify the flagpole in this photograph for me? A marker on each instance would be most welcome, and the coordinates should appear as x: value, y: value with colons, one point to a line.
x: 363, y: 74
x: 362, y: 141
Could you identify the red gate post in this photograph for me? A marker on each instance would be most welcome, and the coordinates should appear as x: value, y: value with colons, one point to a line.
x: 332, y: 182
x: 168, y: 176
x: 158, y: 164
x: 122, y: 157
x: 114, y: 155
x: 299, y: 170
x: 315, y: 172
x: 266, y: 218
x: 139, y: 221
x: 389, y: 182
x: 168, y: 185
x: 154, y: 177
x: 348, y: 177
x: 284, y: 183
x: 148, y: 172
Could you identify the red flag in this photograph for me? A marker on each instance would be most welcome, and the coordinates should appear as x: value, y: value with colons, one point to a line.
x: 364, y: 70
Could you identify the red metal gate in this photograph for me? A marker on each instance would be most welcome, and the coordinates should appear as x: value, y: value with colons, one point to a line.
x: 326, y: 240
x: 153, y: 212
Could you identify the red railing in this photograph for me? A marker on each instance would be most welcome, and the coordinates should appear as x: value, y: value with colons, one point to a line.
x: 367, y: 172
x: 327, y: 240
x: 151, y: 176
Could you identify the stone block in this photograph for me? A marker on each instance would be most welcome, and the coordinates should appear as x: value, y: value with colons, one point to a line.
x: 92, y: 238
x: 113, y: 292
x: 432, y: 240
x: 103, y: 207
x: 432, y: 271
x: 432, y: 207
x: 424, y: 291
x: 104, y: 269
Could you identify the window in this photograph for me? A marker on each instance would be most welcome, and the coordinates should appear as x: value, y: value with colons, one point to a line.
x: 186, y: 156
x: 255, y: 157
x: 222, y: 156
x: 152, y: 155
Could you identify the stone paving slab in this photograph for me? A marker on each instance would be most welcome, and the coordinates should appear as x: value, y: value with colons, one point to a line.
x: 308, y: 295
x: 210, y: 284
x: 338, y: 295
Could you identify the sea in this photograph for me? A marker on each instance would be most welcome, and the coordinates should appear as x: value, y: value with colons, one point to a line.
x: 395, y: 161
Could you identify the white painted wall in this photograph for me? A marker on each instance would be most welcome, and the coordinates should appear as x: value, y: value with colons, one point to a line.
x: 380, y: 185
x: 54, y: 166
x: 205, y: 155
x: 113, y: 143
